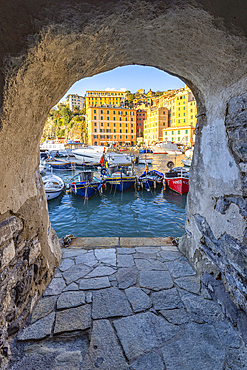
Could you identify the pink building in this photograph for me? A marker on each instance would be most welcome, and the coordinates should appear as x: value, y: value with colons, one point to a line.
x: 141, y: 115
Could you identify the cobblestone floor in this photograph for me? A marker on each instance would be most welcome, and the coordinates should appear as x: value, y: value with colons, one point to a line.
x: 127, y: 308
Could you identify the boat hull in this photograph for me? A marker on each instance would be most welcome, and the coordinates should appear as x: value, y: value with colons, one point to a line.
x: 52, y: 194
x: 84, y: 190
x: 62, y: 165
x: 120, y: 184
x: 179, y: 184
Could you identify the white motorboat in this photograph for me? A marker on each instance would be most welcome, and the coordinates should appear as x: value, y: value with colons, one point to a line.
x: 93, y: 155
x: 53, y: 185
x: 188, y: 159
x: 145, y: 160
x: 166, y: 147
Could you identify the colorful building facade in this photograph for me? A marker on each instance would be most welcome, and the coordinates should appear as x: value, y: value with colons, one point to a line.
x: 108, y: 124
x: 156, y: 121
x: 75, y: 100
x: 99, y: 98
x: 141, y: 115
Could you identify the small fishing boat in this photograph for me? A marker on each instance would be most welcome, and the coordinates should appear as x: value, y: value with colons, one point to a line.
x: 151, y: 179
x: 58, y: 164
x: 85, y: 184
x: 53, y: 185
x: 177, y: 179
x: 186, y: 162
x: 118, y: 178
x: 145, y: 150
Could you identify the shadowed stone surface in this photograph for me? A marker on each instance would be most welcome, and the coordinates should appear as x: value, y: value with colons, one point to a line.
x: 155, y: 280
x: 40, y: 329
x: 236, y: 359
x: 107, y: 256
x: 70, y: 299
x: 125, y: 260
x: 110, y: 302
x: 55, y: 287
x: 176, y: 316
x: 95, y: 283
x: 166, y: 299
x: 180, y: 268
x: 66, y: 264
x: 125, y: 250
x: 143, y: 332
x: 139, y: 300
x: 100, y: 271
x: 43, y: 308
x: 78, y: 318
x: 76, y: 272
x: 126, y: 277
x: 190, y: 283
x: 170, y: 255
x: 150, y: 361
x: 87, y: 258
x: 227, y: 334
x: 145, y: 264
x: 104, y: 351
x: 71, y: 286
x: 199, y: 348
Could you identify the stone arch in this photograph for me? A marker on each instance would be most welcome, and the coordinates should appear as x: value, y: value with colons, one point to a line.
x: 53, y: 46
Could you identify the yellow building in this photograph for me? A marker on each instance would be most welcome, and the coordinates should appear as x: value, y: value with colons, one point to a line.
x: 157, y: 120
x: 182, y: 117
x: 99, y: 98
x: 111, y: 124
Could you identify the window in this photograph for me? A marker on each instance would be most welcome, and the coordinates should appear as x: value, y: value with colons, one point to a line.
x: 164, y: 112
x: 95, y: 130
x: 191, y: 110
x: 120, y: 130
x: 178, y: 132
x: 184, y: 108
x: 101, y: 112
x: 179, y: 121
x: 108, y: 124
x: 132, y: 131
x: 114, y: 124
x: 126, y: 124
x: 108, y: 118
x: 101, y: 118
x: 107, y: 112
x: 120, y: 124
x: 94, y: 111
x: 114, y: 112
x: 186, y: 131
x: 165, y: 133
x: 120, y: 138
x: 120, y: 118
x: 114, y: 118
x: 131, y: 119
x: 102, y: 124
x: 126, y: 136
x: 178, y: 108
x: 172, y: 138
x: 178, y: 114
x: 132, y: 124
x: 172, y: 132
x: 184, y: 120
x: 95, y: 123
x: 95, y: 118
x: 184, y: 114
x: 179, y: 138
x: 191, y: 117
x: 114, y: 130
x: 119, y: 112
x: 164, y: 123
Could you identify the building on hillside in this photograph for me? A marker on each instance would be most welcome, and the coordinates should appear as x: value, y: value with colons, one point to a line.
x: 107, y: 124
x: 156, y: 121
x: 75, y: 100
x: 141, y: 115
x: 99, y: 98
x: 141, y: 91
x: 182, y: 117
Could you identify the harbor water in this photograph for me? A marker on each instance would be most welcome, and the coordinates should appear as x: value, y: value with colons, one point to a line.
x: 133, y: 213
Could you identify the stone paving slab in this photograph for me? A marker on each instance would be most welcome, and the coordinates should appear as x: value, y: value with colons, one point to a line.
x: 136, y: 307
x: 104, y: 352
x: 95, y: 242
x: 136, y: 242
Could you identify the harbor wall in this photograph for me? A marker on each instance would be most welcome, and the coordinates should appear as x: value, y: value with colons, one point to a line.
x: 53, y: 45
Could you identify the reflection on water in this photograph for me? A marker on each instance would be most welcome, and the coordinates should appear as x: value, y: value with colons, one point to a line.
x: 130, y: 214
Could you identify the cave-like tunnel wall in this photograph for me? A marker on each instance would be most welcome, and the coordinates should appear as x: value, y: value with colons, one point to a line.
x: 46, y: 46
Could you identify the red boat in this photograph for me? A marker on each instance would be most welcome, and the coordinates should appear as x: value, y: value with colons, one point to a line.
x: 177, y: 179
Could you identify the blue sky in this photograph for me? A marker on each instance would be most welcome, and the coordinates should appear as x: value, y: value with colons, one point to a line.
x: 128, y: 77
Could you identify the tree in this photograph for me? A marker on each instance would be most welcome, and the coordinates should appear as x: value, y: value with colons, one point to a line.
x: 66, y: 114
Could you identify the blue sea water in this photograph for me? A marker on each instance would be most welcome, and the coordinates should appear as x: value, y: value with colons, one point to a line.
x: 157, y: 213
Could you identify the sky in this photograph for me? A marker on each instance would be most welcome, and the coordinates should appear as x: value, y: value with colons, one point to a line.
x: 127, y: 78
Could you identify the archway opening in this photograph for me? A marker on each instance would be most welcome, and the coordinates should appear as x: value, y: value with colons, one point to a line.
x: 98, y: 112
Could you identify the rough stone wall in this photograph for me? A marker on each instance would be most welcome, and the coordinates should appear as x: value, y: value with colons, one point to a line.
x: 29, y: 250
x: 54, y: 44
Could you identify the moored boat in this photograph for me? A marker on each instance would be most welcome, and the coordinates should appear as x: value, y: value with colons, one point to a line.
x: 53, y: 185
x: 85, y: 184
x: 166, y: 148
x: 118, y: 178
x: 177, y: 179
x: 151, y: 179
x: 61, y: 164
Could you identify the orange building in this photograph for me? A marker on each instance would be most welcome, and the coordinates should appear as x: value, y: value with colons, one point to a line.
x: 156, y: 121
x: 141, y: 115
x: 108, y: 124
